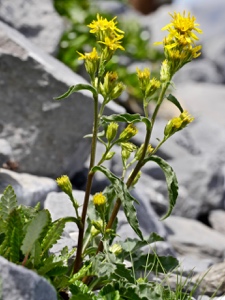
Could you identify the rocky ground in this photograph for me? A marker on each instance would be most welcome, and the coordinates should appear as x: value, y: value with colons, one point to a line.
x: 41, y: 139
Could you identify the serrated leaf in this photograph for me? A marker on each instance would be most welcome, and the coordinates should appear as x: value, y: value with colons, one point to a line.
x: 53, y: 235
x: 49, y: 264
x: 76, y: 88
x: 174, y: 100
x: 8, y: 202
x: 108, y: 292
x: 171, y: 180
x: 80, y: 291
x: 34, y: 230
x: 15, y: 235
x: 123, y: 194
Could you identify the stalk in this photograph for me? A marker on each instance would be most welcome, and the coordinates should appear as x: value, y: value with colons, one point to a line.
x: 78, y: 260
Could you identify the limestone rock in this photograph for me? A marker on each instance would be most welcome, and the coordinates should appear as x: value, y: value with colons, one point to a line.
x: 19, y: 283
x: 29, y: 189
x: 46, y: 136
x: 217, y: 220
x: 190, y: 237
x: 39, y: 23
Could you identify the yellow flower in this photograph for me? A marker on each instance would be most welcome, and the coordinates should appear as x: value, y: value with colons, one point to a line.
x: 178, y: 123
x: 99, y: 199
x: 128, y: 133
x: 65, y: 184
x: 112, y: 43
x: 99, y: 25
x: 92, y: 56
x: 183, y: 25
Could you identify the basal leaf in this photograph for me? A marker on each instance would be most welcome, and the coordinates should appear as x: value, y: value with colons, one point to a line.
x: 8, y: 202
x: 123, y: 194
x: 174, y: 100
x: 76, y: 88
x: 34, y: 230
x: 80, y: 291
x: 53, y: 235
x: 171, y: 181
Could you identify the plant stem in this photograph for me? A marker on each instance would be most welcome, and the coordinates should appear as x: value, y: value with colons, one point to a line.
x: 78, y: 260
x: 140, y: 162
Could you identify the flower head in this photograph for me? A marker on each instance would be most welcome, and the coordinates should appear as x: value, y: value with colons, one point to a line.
x: 65, y: 184
x: 128, y: 133
x: 99, y: 199
x: 177, y: 123
x: 111, y: 131
x: 91, y: 61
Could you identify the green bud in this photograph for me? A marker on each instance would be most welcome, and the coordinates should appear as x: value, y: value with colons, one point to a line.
x: 116, y: 249
x: 109, y: 155
x: 111, y: 131
x: 128, y: 133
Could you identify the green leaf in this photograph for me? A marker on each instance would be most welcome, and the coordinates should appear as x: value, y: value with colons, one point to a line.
x: 155, y: 263
x: 108, y: 292
x: 132, y: 245
x: 34, y: 230
x: 36, y: 254
x: 171, y: 181
x: 123, y: 194
x: 127, y: 118
x: 15, y: 235
x: 8, y: 202
x: 53, y: 235
x: 76, y: 88
x: 174, y: 100
x: 80, y: 291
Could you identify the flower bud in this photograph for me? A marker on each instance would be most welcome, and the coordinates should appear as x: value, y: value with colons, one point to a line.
x: 111, y: 131
x: 109, y: 155
x: 116, y: 249
x: 128, y: 133
x: 165, y: 71
x: 65, y: 184
x: 99, y: 199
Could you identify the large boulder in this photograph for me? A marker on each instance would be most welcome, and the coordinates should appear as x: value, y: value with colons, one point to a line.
x: 39, y: 23
x: 46, y: 136
x: 19, y: 283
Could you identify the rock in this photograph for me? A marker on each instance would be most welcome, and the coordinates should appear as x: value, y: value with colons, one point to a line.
x: 5, y: 151
x: 39, y: 23
x: 190, y: 237
x: 19, y: 283
x: 212, y: 281
x: 200, y: 70
x: 216, y: 220
x: 29, y: 189
x: 46, y: 136
x: 60, y: 206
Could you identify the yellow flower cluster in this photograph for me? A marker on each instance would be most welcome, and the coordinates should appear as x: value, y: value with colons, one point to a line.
x: 179, y: 44
x: 177, y: 123
x: 148, y: 86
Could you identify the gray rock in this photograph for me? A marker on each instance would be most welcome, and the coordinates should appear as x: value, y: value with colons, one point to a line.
x: 39, y: 23
x: 190, y: 237
x: 46, y: 136
x: 29, y: 189
x: 213, y: 280
x: 5, y: 151
x: 19, y: 283
x: 216, y: 220
x: 60, y: 206
x: 200, y: 70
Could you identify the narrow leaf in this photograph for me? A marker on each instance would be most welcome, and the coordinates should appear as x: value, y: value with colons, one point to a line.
x: 174, y: 100
x: 123, y: 194
x: 171, y: 180
x: 76, y: 88
x: 8, y: 202
x: 34, y: 230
